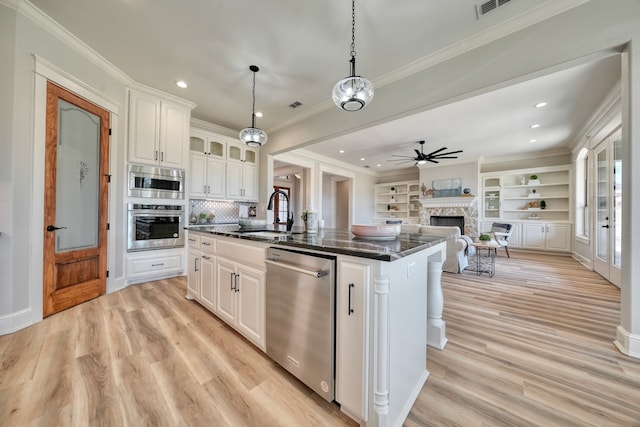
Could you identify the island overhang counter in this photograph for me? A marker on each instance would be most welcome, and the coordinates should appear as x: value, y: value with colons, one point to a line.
x: 382, y: 292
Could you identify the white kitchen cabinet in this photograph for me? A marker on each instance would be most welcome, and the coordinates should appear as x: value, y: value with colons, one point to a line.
x: 206, y: 177
x: 351, y: 340
x: 144, y: 266
x: 547, y: 236
x: 208, y: 144
x: 242, y: 181
x: 206, y: 293
x: 158, y: 130
x: 242, y: 172
x: 240, y: 299
x: 193, y: 273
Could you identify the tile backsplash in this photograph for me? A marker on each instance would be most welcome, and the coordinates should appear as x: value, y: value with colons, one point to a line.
x: 224, y: 212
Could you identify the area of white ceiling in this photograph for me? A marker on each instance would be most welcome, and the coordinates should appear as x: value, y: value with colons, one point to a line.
x: 302, y: 48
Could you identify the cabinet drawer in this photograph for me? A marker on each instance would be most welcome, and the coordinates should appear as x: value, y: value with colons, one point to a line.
x: 208, y: 245
x: 246, y: 253
x: 194, y: 240
x: 153, y: 265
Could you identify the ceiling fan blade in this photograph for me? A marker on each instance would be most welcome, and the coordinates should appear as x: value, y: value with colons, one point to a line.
x: 431, y: 154
x: 401, y: 160
x: 418, y: 153
x: 432, y: 161
x: 443, y: 157
x: 406, y: 157
x: 451, y: 152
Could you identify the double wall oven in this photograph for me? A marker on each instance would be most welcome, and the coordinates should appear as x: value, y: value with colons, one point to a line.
x: 156, y: 221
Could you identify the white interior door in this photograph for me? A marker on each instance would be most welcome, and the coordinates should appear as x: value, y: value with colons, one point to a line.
x: 608, y: 209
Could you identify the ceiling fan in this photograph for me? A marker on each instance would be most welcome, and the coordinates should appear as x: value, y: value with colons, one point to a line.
x: 422, y: 158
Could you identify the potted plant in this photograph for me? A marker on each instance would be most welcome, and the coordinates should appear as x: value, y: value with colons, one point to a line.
x: 484, y: 237
x: 533, y: 177
x: 203, y: 218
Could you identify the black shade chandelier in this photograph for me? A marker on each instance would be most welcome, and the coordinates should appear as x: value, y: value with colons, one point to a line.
x: 253, y: 136
x: 353, y: 93
x: 421, y: 158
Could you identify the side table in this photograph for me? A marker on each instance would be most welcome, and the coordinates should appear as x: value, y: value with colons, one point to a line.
x: 486, y: 263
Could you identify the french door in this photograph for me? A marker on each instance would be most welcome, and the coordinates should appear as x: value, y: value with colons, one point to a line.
x: 608, y: 209
x: 76, y: 187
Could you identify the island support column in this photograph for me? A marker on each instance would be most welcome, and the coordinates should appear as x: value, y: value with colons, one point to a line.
x: 436, y: 327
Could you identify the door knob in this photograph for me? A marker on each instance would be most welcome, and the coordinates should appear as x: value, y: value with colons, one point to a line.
x: 54, y: 228
x: 605, y: 226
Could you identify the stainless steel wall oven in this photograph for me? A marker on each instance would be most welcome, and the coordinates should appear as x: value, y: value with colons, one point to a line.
x: 154, y: 226
x: 155, y: 182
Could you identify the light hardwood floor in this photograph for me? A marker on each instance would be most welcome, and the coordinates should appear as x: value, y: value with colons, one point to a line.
x: 531, y: 346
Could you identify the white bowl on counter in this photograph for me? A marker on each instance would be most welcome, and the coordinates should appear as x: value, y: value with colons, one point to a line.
x: 376, y: 231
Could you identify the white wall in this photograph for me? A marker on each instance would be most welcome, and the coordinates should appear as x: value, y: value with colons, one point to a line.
x: 21, y: 183
x: 468, y: 172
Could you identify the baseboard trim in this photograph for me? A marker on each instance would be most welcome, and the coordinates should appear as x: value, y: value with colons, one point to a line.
x: 586, y: 262
x: 627, y: 343
x: 13, y: 322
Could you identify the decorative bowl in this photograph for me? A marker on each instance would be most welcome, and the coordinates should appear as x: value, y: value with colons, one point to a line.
x: 376, y: 230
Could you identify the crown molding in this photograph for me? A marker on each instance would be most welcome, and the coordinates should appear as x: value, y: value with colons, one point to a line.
x: 42, y: 20
x: 212, y: 127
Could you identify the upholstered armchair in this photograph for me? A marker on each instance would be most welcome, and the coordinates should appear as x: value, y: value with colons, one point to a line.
x: 458, y: 246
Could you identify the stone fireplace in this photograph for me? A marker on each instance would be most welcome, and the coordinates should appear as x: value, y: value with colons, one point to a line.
x: 466, y: 207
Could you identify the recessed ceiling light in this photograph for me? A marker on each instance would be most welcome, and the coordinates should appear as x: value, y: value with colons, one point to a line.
x: 532, y: 140
x: 534, y: 126
x: 378, y: 165
x: 258, y: 114
x: 361, y: 158
x: 181, y: 84
x: 541, y: 104
x: 341, y: 151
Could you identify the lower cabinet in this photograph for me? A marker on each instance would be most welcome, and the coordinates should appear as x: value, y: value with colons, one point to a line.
x: 240, y: 299
x: 142, y: 267
x: 547, y: 236
x: 351, y: 341
x: 228, y: 277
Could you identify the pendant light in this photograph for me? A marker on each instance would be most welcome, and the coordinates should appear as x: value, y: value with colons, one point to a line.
x: 353, y: 93
x: 253, y: 136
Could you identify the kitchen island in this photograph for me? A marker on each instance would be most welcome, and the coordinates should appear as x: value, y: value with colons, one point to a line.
x: 381, y: 307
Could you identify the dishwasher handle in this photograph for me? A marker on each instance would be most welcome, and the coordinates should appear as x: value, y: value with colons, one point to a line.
x: 313, y: 273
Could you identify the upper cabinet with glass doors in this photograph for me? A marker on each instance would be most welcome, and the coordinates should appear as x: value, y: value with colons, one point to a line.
x: 207, y: 144
x: 239, y: 153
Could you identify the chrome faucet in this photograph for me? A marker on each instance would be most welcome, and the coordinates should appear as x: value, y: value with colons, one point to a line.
x: 289, y: 213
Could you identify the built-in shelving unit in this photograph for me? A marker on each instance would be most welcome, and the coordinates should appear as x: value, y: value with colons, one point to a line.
x: 398, y: 200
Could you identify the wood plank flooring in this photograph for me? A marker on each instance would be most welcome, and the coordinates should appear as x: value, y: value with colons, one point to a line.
x: 531, y: 346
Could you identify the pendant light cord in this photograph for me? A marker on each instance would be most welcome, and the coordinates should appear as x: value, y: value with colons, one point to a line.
x: 253, y: 106
x: 353, y: 28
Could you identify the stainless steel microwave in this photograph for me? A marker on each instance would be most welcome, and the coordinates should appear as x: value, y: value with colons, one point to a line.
x: 155, y: 182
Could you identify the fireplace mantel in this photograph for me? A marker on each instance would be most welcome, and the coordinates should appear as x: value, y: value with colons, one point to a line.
x: 448, y: 202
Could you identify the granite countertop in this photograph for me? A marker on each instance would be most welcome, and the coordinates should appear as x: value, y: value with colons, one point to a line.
x: 331, y: 240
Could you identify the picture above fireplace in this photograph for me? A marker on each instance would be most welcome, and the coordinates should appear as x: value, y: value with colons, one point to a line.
x: 451, y: 187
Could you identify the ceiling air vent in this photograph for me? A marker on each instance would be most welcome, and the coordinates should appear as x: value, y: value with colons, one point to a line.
x: 295, y: 104
x: 488, y: 6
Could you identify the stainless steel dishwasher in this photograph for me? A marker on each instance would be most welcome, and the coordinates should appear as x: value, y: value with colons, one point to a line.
x: 300, y: 316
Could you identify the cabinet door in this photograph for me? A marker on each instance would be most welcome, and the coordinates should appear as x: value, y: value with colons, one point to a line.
x: 207, y: 281
x: 216, y: 178
x: 197, y: 175
x: 225, y: 290
x: 351, y: 340
x: 251, y: 304
x: 249, y: 182
x: 193, y: 274
x: 144, y: 127
x: 533, y: 236
x: 234, y: 180
x: 558, y: 237
x: 174, y: 132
